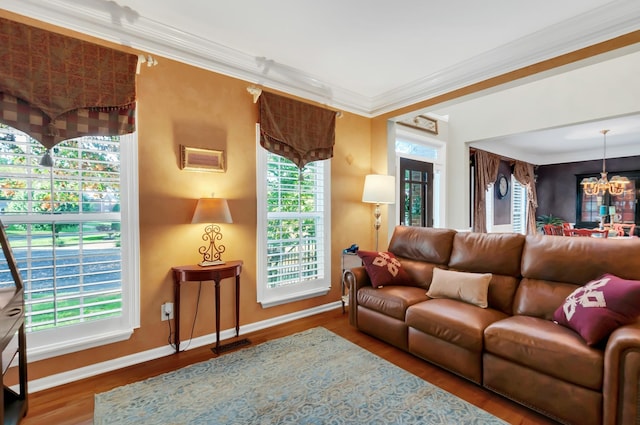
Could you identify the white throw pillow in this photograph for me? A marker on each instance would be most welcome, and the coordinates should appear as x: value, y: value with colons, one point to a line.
x: 472, y: 288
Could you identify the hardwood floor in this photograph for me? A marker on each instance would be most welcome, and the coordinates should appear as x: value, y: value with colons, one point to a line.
x: 72, y: 404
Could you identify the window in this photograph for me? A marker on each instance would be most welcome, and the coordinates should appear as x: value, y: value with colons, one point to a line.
x: 518, y: 206
x: 73, y: 231
x: 294, y: 236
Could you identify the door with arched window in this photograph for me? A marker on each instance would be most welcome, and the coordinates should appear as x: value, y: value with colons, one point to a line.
x: 416, y: 187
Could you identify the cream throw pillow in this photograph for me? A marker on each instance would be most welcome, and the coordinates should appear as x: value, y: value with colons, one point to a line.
x: 471, y: 288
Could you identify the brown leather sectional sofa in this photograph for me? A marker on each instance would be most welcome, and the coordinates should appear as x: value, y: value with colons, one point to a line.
x: 513, y: 347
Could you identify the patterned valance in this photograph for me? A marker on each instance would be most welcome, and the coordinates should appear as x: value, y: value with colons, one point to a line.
x: 56, y: 87
x: 486, y: 172
x: 295, y: 130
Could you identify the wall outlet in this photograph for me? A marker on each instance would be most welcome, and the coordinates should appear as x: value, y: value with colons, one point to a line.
x: 166, y: 311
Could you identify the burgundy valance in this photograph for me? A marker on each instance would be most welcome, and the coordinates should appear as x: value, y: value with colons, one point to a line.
x: 295, y: 130
x: 56, y: 87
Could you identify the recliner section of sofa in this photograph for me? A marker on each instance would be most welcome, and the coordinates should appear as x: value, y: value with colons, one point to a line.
x: 514, y: 340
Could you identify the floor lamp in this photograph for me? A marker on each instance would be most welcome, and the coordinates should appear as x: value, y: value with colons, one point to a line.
x: 379, y: 189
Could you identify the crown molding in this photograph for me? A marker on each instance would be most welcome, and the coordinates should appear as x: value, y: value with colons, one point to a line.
x: 123, y: 26
x: 601, y: 24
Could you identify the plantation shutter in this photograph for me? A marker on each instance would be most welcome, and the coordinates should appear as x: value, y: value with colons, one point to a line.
x: 519, y: 208
x: 68, y: 243
x: 295, y: 130
x: 56, y: 88
x: 295, y: 222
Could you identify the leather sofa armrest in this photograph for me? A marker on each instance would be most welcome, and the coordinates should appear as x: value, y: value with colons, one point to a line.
x: 355, y: 279
x: 622, y: 376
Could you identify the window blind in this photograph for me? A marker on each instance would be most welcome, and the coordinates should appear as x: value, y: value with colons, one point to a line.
x: 63, y: 224
x: 295, y: 222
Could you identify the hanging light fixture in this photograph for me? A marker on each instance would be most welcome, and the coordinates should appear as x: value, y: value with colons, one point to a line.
x: 600, y: 186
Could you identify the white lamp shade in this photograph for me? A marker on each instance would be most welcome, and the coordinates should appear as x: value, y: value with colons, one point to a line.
x: 379, y: 189
x: 212, y: 210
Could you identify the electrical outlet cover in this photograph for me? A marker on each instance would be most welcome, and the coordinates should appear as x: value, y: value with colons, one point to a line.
x: 163, y: 310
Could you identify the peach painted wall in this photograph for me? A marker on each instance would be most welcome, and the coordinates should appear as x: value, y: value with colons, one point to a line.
x: 181, y: 104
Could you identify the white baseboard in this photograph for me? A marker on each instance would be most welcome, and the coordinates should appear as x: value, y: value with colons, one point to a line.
x: 144, y: 356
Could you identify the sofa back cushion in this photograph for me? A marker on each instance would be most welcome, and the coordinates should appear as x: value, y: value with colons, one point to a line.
x: 422, y: 243
x: 420, y: 249
x: 495, y: 253
x: 553, y: 267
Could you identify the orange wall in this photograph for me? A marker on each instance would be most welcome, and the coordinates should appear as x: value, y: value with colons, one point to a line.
x: 181, y: 104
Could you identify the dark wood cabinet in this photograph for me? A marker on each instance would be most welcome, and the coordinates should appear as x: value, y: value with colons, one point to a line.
x: 12, y: 340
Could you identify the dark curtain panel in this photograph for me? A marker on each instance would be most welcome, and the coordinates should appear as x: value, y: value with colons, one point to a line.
x: 524, y: 173
x: 56, y: 87
x: 295, y: 130
x: 486, y: 170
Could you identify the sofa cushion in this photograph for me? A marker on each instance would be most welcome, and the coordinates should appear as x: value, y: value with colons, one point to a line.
x: 554, y: 259
x: 497, y: 253
x: 383, y: 268
x: 453, y: 321
x: 599, y: 307
x: 547, y: 348
x: 392, y: 301
x: 471, y: 288
x: 540, y: 298
x: 426, y: 244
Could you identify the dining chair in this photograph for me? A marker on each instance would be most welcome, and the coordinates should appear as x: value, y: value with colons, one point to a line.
x: 587, y: 232
x: 625, y: 229
x: 552, y: 229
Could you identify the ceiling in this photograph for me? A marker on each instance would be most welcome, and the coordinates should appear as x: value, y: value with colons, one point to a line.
x: 571, y: 143
x: 363, y: 56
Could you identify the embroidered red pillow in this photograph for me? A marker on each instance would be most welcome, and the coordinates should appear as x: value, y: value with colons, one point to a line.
x: 599, y: 307
x: 383, y: 268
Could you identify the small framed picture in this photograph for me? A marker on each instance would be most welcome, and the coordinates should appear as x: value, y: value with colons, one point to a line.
x: 198, y: 159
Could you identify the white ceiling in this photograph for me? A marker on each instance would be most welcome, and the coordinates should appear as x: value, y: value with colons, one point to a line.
x: 363, y: 56
x: 571, y: 143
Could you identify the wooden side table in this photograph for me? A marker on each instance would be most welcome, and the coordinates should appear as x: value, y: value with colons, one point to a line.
x: 195, y: 273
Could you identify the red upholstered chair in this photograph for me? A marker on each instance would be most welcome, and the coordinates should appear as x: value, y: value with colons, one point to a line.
x: 625, y: 229
x: 587, y: 232
x: 552, y: 229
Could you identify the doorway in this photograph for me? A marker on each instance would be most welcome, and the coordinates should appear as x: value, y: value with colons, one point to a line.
x: 416, y: 187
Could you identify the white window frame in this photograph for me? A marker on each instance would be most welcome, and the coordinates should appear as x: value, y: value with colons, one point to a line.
x: 68, y: 339
x: 518, y: 205
x: 269, y: 297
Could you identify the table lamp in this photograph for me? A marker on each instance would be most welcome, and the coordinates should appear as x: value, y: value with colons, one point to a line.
x: 379, y: 189
x: 212, y: 211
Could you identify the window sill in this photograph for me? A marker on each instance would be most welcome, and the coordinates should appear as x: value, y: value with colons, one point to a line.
x: 72, y: 345
x: 293, y: 297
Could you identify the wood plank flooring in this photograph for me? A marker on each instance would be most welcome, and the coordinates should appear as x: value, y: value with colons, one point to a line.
x: 72, y: 404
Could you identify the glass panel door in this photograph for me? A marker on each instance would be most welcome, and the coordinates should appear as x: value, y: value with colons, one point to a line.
x: 416, y: 184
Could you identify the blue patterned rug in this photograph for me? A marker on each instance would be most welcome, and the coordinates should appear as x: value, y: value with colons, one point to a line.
x: 313, y: 377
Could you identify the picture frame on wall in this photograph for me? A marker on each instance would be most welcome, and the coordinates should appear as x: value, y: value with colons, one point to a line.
x: 199, y: 159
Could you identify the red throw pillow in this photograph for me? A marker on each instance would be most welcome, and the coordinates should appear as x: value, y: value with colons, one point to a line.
x: 383, y: 268
x: 599, y: 307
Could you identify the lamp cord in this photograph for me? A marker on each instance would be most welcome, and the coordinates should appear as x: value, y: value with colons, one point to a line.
x: 193, y: 325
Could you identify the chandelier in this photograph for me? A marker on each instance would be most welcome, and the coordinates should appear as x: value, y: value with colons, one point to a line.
x: 600, y: 186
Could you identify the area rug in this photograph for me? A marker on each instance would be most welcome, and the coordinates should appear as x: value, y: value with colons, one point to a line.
x: 313, y: 377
